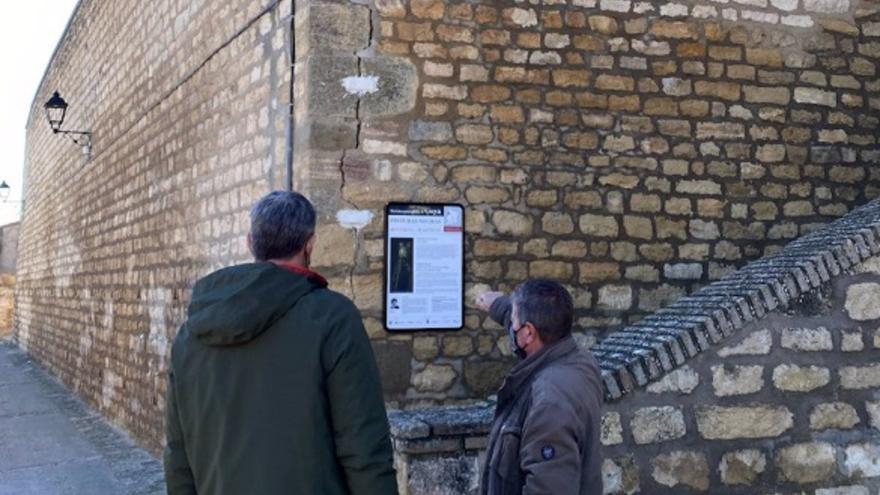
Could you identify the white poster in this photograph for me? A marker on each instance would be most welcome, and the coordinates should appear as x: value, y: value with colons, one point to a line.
x: 424, y: 266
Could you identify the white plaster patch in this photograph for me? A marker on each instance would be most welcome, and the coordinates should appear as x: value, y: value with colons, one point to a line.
x: 110, y: 384
x: 157, y: 340
x: 361, y: 85
x: 354, y: 219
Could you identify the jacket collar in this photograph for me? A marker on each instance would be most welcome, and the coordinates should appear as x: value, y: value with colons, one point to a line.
x: 305, y: 272
x: 522, y: 372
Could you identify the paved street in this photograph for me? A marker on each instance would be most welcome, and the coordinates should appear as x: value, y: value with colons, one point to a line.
x: 51, y: 443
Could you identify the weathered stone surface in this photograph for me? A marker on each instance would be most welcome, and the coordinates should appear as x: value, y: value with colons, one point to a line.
x: 615, y: 297
x: 742, y: 467
x: 807, y: 339
x: 442, y: 475
x: 683, y: 380
x: 794, y: 378
x: 512, y: 223
x: 806, y: 462
x: 597, y: 225
x: 612, y: 429
x: 620, y: 476
x: 873, y: 408
x: 860, y: 377
x: 843, y: 490
x: 862, y: 460
x: 758, y: 343
x: 682, y: 468
x: 861, y: 301
x: 737, y: 380
x: 484, y: 376
x: 657, y: 424
x: 435, y: 378
x: 837, y: 415
x: 728, y: 423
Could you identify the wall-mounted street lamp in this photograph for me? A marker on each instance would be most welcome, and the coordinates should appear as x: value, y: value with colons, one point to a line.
x: 56, y: 108
x: 4, y: 191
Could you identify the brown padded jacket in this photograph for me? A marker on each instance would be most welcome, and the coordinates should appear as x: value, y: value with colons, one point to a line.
x: 545, y: 437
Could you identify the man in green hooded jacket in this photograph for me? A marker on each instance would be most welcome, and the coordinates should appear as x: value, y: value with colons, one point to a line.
x: 273, y: 387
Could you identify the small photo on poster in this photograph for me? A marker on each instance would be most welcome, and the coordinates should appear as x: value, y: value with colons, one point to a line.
x: 401, y: 265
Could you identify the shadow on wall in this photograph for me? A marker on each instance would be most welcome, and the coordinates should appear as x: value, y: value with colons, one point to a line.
x: 8, y: 256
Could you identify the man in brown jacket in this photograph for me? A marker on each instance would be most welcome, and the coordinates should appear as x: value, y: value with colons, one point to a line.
x: 545, y: 437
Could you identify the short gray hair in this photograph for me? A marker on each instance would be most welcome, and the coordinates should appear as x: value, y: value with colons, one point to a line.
x: 281, y: 224
x: 546, y: 305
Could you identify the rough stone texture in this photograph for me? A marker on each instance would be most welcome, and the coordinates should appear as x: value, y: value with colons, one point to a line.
x: 720, y: 423
x: 737, y: 380
x: 758, y: 343
x: 683, y: 380
x: 862, y: 460
x: 742, y: 467
x: 837, y: 415
x: 807, y: 339
x: 682, y: 468
x: 657, y: 424
x: 806, y: 462
x: 793, y: 378
x: 861, y: 301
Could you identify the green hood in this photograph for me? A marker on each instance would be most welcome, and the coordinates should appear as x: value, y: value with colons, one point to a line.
x: 236, y: 304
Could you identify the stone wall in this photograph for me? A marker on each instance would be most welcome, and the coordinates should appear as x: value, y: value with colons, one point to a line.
x: 188, y: 106
x: 9, y: 247
x: 782, y: 401
x: 8, y: 256
x: 633, y: 150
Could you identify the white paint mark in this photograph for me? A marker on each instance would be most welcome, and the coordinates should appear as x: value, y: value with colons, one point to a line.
x: 361, y: 85
x: 354, y: 219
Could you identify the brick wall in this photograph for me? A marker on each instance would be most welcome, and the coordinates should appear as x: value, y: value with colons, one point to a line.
x: 634, y: 151
x: 787, y: 402
x: 187, y: 103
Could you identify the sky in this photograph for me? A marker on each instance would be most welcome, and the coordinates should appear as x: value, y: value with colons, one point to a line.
x: 29, y: 32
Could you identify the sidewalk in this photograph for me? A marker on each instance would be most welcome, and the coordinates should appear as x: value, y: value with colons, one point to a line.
x: 51, y: 443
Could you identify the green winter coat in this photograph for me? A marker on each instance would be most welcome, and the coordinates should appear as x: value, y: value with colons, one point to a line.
x: 273, y: 390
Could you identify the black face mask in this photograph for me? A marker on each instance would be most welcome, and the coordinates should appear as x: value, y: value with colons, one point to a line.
x: 514, y: 346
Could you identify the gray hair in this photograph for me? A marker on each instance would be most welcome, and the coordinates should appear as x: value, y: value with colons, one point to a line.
x: 282, y: 222
x: 546, y: 305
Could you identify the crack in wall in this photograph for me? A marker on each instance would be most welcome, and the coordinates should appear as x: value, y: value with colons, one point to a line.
x: 357, y: 145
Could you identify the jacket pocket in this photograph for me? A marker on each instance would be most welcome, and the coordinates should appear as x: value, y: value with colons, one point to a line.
x: 507, y: 467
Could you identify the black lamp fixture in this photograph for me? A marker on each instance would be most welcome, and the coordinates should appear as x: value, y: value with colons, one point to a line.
x: 56, y: 109
x: 4, y: 191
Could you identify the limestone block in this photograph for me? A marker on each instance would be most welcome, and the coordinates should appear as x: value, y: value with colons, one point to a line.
x: 435, y: 378
x: 873, y: 409
x: 737, y: 380
x: 683, y: 380
x: 742, y: 467
x: 485, y: 376
x: 682, y: 468
x: 615, y: 297
x: 512, y: 223
x: 807, y: 339
x: 843, y: 490
x: 837, y: 415
x: 620, y: 476
x: 612, y: 429
x: 728, y: 423
x: 657, y: 424
x: 758, y: 343
x: 861, y: 301
x: 862, y: 460
x: 793, y: 378
x: 860, y: 377
x: 806, y: 462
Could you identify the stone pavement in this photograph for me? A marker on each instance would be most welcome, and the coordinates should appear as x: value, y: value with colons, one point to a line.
x: 51, y: 443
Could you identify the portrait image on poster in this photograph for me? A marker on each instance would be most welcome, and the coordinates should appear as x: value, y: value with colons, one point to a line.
x: 424, y: 266
x: 401, y: 265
